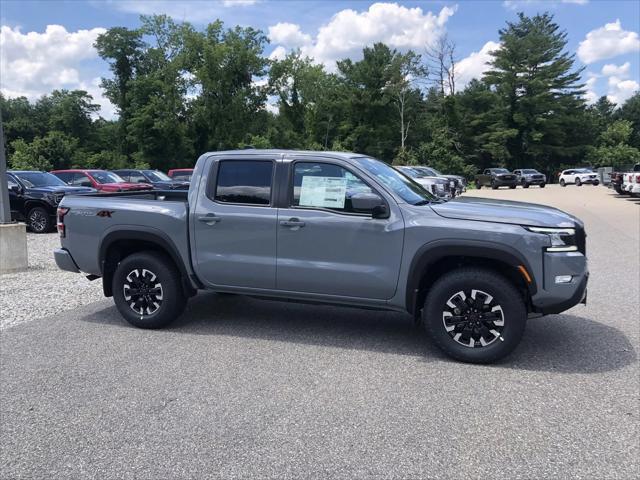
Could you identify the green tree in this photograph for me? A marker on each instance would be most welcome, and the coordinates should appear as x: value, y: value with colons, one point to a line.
x: 630, y: 111
x: 538, y: 91
x: 54, y: 151
x: 614, y: 149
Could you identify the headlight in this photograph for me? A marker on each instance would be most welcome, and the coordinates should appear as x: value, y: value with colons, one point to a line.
x: 440, y: 187
x: 52, y: 198
x: 452, y: 184
x: 562, y: 239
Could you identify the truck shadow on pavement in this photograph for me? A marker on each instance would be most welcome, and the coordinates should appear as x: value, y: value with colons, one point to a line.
x: 557, y: 343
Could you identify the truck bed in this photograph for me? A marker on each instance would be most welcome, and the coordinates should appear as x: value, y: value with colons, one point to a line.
x: 94, y: 220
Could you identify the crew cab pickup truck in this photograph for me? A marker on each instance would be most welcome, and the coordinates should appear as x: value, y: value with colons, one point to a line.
x: 336, y: 228
x: 495, y: 178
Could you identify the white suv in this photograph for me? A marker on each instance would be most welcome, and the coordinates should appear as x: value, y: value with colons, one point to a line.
x: 578, y: 176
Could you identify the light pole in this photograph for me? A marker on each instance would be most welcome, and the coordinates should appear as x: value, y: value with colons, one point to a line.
x: 5, y: 212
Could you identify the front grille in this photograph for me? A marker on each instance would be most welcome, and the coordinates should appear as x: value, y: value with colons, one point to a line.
x: 581, y: 240
x: 537, y: 177
x: 58, y: 197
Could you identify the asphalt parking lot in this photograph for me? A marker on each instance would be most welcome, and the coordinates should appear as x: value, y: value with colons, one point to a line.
x: 241, y: 387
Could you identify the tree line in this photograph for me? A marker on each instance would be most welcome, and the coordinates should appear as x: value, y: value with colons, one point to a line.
x: 180, y: 91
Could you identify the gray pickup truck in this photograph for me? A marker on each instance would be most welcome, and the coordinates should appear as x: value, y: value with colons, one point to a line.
x: 336, y: 228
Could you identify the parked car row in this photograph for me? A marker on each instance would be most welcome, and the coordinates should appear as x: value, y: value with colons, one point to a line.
x: 34, y: 196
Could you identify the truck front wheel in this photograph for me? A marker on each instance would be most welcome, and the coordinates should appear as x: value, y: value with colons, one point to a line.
x: 474, y: 315
x: 147, y: 290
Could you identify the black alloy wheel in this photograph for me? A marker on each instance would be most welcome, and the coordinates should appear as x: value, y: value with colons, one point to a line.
x: 143, y: 291
x: 473, y: 318
x: 38, y: 220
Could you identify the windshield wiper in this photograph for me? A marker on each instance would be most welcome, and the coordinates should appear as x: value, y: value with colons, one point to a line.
x: 422, y: 202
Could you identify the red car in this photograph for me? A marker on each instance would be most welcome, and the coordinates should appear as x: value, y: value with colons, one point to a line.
x: 181, y: 174
x: 101, y: 180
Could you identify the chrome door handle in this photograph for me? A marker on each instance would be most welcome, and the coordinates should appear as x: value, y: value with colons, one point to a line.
x: 209, y: 219
x: 292, y: 222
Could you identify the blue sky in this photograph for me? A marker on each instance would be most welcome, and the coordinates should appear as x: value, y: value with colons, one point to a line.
x: 48, y: 44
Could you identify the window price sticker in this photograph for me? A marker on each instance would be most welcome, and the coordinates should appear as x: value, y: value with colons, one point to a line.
x: 327, y: 192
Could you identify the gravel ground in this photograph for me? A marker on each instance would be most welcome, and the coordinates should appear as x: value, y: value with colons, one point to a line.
x: 43, y: 289
x: 245, y: 388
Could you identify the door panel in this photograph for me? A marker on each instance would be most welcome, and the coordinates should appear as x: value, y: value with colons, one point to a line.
x: 332, y: 253
x: 235, y: 243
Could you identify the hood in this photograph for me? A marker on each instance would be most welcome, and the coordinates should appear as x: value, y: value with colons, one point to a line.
x: 432, y: 180
x: 61, y: 189
x: 505, y: 211
x: 126, y: 186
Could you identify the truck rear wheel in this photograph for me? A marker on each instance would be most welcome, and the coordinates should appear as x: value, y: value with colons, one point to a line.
x: 147, y: 290
x: 474, y: 315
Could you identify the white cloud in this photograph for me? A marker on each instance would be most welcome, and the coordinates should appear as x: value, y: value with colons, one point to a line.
x: 475, y: 64
x: 278, y: 53
x: 288, y: 34
x: 590, y: 95
x: 611, y: 69
x: 348, y: 31
x: 607, y: 42
x: 34, y: 63
x: 620, y: 90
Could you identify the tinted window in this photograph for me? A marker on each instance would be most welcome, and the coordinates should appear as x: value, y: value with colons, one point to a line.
x: 137, y: 177
x: 182, y: 176
x: 244, y: 182
x: 327, y: 186
x: 81, y: 180
x: 64, y: 176
x: 39, y: 179
x: 156, y: 176
x: 101, y: 176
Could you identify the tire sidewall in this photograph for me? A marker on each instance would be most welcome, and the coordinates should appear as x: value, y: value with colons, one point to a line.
x: 173, y: 300
x: 494, y: 284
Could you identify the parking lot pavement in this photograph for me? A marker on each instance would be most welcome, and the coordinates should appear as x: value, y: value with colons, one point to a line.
x: 241, y: 387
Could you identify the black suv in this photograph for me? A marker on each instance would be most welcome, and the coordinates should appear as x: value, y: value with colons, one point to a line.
x: 34, y: 197
x: 159, y: 180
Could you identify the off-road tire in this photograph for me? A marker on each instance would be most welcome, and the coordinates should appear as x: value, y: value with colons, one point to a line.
x: 171, y: 301
x: 505, y: 295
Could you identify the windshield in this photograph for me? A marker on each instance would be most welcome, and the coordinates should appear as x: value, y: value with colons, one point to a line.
x: 410, y: 191
x: 101, y: 176
x: 584, y: 170
x: 529, y: 171
x: 499, y: 170
x: 156, y: 176
x: 430, y: 171
x: 39, y: 179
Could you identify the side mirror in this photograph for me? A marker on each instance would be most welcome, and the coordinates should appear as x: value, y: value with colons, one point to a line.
x: 370, y: 202
x: 14, y: 188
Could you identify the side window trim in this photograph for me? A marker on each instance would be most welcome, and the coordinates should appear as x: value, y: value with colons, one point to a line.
x: 212, y: 183
x: 290, y: 187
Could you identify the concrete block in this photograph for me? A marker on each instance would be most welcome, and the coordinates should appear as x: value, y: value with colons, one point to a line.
x: 13, y: 247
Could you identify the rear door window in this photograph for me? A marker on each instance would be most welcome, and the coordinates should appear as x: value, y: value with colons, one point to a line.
x: 244, y: 181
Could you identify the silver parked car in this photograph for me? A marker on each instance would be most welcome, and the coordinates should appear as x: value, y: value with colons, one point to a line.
x: 438, y: 186
x: 529, y: 176
x: 457, y: 182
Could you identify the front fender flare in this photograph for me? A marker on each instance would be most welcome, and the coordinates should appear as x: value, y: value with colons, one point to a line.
x: 432, y: 252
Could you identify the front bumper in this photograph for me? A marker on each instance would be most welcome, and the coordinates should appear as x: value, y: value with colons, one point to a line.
x: 65, y: 261
x: 556, y: 297
x: 535, y: 181
x: 500, y: 182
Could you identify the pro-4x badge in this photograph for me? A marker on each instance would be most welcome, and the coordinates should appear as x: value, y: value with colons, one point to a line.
x: 105, y: 213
